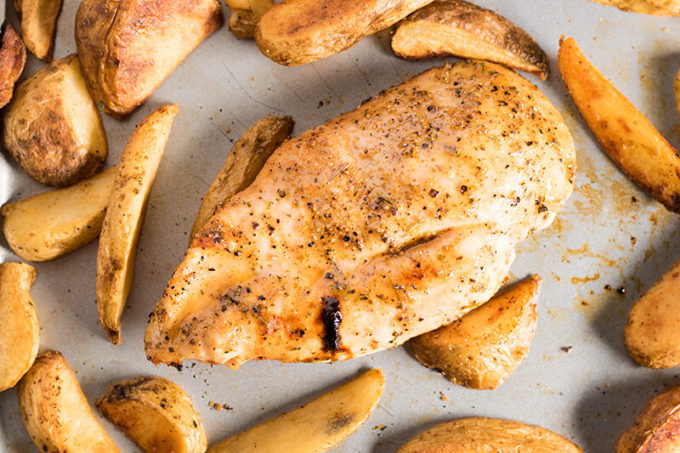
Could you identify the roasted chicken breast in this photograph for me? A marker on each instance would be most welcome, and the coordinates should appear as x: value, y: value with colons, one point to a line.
x: 387, y: 222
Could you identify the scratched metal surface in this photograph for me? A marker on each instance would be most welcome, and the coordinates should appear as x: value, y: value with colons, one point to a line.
x: 590, y: 394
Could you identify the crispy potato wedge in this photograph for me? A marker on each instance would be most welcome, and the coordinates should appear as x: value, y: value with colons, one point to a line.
x: 657, y: 428
x: 12, y: 60
x: 318, y: 425
x: 482, y: 349
x: 244, y: 16
x: 38, y: 25
x: 653, y: 7
x: 156, y: 414
x: 460, y: 29
x: 629, y: 139
x: 476, y: 434
x: 52, y: 224
x: 295, y: 32
x: 651, y: 332
x: 55, y: 411
x: 124, y: 214
x: 676, y: 90
x: 246, y: 159
x: 20, y: 333
x: 53, y: 128
x: 128, y: 48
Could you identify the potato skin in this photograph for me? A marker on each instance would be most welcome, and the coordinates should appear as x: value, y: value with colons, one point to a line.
x: 129, y: 47
x: 12, y: 60
x: 39, y: 25
x: 652, y: 7
x: 657, y: 428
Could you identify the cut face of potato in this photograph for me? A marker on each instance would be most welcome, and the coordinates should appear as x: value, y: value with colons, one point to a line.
x: 482, y: 349
x: 38, y: 25
x: 651, y: 333
x: 243, y: 164
x: 54, y: 223
x: 128, y: 48
x: 12, y: 60
x: 458, y: 28
x: 315, y: 427
x: 20, y: 333
x: 653, y: 7
x: 124, y: 213
x: 55, y: 412
x: 656, y: 429
x: 156, y: 414
x: 296, y: 32
x: 53, y: 128
x: 629, y: 139
x: 477, y: 434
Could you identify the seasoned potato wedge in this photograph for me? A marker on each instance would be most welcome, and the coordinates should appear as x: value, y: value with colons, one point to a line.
x: 316, y: 426
x: 477, y: 434
x: 244, y: 16
x: 651, y: 333
x: 656, y: 428
x: 55, y: 411
x: 12, y: 60
x: 458, y: 28
x: 54, y: 223
x: 629, y: 139
x: 156, y: 414
x: 53, y: 128
x: 124, y: 214
x: 20, y: 333
x: 295, y: 32
x: 482, y: 349
x: 246, y: 159
x: 38, y: 25
x: 129, y: 47
x: 653, y: 7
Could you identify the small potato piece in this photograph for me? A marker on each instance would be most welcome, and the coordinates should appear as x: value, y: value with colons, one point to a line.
x: 20, y: 333
x: 295, y: 32
x: 657, y: 428
x: 244, y: 16
x: 124, y: 214
x: 53, y: 128
x: 12, y: 60
x: 482, y: 349
x: 458, y: 28
x: 651, y: 333
x: 629, y: 139
x: 55, y: 223
x: 653, y: 7
x: 481, y: 434
x: 156, y: 414
x: 38, y: 25
x: 55, y: 411
x: 243, y: 164
x: 317, y: 426
x: 129, y: 47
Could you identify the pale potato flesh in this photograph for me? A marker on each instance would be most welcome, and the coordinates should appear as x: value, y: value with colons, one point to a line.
x: 156, y: 414
x: 12, y: 60
x: 653, y: 7
x: 124, y: 215
x: 55, y: 411
x: 20, y: 332
x: 629, y: 139
x: 481, y: 349
x: 488, y: 435
x: 51, y: 224
x: 315, y: 427
x: 657, y: 428
x: 38, y: 25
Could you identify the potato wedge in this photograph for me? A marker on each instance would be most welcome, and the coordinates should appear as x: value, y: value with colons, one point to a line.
x: 53, y: 128
x: 124, y: 214
x: 246, y: 159
x: 128, y: 48
x: 52, y: 224
x: 38, y: 25
x: 651, y: 332
x: 629, y: 139
x: 12, y: 60
x: 295, y: 32
x: 244, y: 16
x: 20, y: 334
x: 316, y: 426
x: 676, y: 90
x: 156, y: 414
x: 476, y: 434
x: 656, y: 429
x: 460, y: 29
x: 55, y: 411
x: 653, y: 7
x: 482, y: 349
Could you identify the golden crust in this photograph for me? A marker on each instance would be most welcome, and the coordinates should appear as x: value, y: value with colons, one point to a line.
x: 657, y: 428
x: 12, y: 60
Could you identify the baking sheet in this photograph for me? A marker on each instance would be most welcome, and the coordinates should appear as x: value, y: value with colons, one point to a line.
x: 590, y: 394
